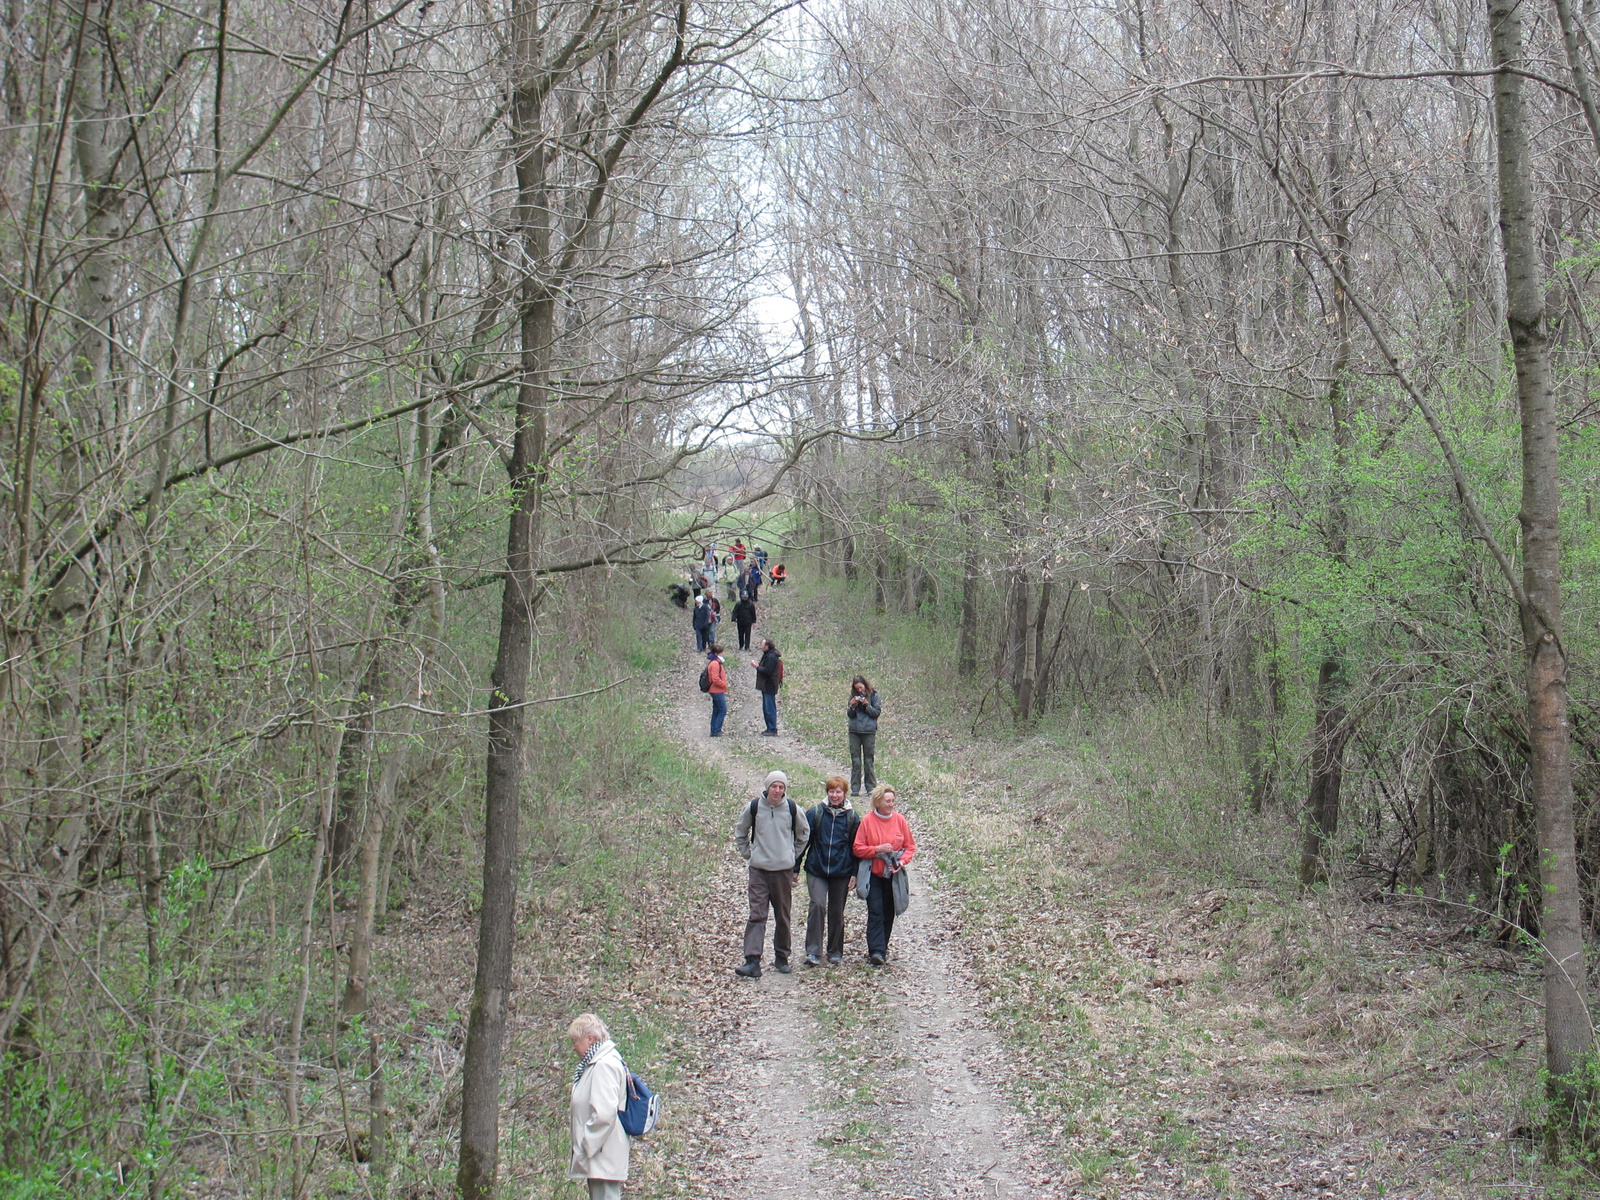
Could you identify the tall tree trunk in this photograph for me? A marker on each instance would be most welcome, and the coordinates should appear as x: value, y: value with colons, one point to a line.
x: 502, y: 790
x: 1028, y: 649
x: 1569, y: 1038
x: 967, y: 645
x: 1041, y: 620
x: 1328, y: 734
x: 491, y: 985
x: 1256, y: 737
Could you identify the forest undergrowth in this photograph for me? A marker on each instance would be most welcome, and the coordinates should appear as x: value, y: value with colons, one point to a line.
x: 1187, y: 1022
x: 611, y: 919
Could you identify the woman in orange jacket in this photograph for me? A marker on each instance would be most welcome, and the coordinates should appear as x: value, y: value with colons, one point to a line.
x: 885, y: 838
x: 717, y: 672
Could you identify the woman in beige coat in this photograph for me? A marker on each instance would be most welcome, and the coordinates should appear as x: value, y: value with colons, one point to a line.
x: 599, y: 1090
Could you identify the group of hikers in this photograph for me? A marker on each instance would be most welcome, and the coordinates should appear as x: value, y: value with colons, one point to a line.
x: 842, y: 853
x: 743, y: 570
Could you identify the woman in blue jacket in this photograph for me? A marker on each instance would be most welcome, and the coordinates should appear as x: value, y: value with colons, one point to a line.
x: 830, y: 872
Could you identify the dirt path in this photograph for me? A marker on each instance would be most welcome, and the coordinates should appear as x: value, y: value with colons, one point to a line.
x: 853, y: 1080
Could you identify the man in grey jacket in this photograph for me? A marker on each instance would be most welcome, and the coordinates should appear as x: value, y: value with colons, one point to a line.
x: 771, y: 835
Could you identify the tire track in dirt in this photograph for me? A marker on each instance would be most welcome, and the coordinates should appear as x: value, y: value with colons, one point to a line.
x: 939, y: 1125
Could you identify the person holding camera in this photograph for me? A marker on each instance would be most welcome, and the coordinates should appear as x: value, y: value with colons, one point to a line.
x: 861, y: 715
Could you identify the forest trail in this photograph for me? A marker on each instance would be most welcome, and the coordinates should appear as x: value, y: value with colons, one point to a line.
x: 850, y: 1080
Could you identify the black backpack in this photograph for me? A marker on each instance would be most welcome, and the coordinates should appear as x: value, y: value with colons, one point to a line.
x: 793, y: 808
x: 705, y: 678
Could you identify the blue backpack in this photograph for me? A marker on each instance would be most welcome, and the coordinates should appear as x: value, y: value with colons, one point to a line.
x: 642, y: 1110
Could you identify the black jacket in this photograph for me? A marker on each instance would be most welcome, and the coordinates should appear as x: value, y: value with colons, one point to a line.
x: 833, y: 833
x: 744, y: 613
x: 703, y: 615
x: 767, y: 672
x: 864, y: 717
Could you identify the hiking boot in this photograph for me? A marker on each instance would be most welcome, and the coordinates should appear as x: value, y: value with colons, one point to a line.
x: 769, y: 733
x: 834, y: 960
x: 750, y: 970
x: 813, y: 961
x: 782, y: 966
x: 874, y: 958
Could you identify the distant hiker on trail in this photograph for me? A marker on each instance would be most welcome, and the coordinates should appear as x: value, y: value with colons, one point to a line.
x: 734, y: 576
x: 708, y: 560
x: 716, y: 677
x: 599, y: 1090
x: 752, y: 583
x: 769, y: 678
x: 779, y: 574
x: 885, y: 838
x: 744, y: 616
x: 771, y: 835
x: 738, y: 551
x: 760, y: 556
x: 830, y: 872
x: 861, y: 715
x: 701, y: 621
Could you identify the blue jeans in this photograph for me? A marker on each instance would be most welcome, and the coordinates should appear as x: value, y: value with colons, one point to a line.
x: 719, y: 712
x: 769, y: 709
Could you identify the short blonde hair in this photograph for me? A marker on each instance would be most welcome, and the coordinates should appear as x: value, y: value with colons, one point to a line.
x: 588, y: 1025
x: 878, y: 793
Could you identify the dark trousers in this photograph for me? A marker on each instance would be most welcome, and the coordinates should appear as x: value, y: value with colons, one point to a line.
x: 827, y: 895
x: 880, y: 915
x: 744, y: 637
x: 769, y: 709
x: 702, y: 636
x: 774, y: 890
x: 755, y: 592
x: 719, y: 712
x: 863, y: 749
